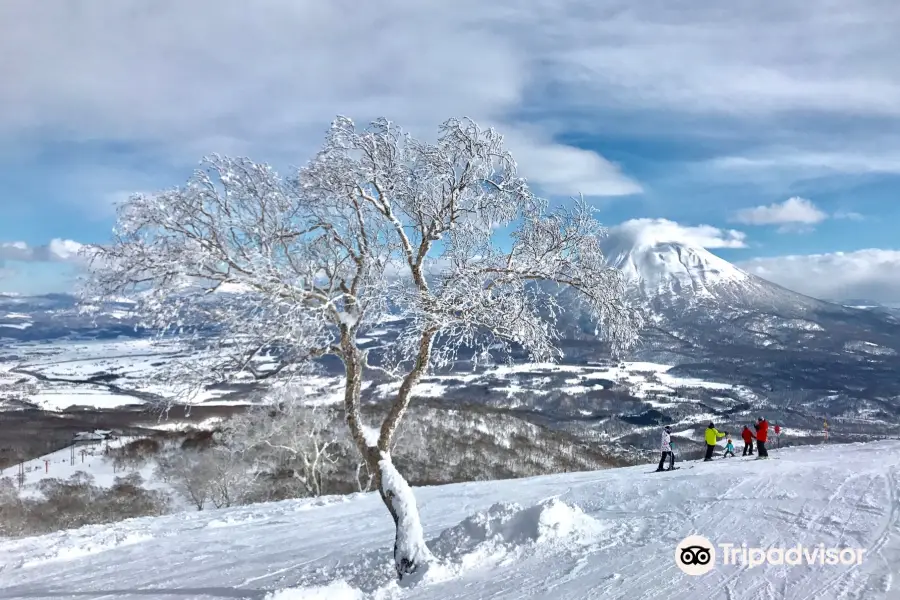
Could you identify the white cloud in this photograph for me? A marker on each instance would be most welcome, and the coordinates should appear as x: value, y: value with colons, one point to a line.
x: 800, y: 162
x: 792, y: 212
x: 58, y: 250
x: 188, y: 78
x: 872, y: 274
x: 649, y: 232
x: 566, y: 170
x: 744, y: 62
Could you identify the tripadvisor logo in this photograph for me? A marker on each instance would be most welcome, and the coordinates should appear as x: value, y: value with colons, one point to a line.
x: 696, y: 555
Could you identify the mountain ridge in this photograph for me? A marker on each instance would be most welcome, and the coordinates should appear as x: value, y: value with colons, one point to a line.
x: 681, y: 273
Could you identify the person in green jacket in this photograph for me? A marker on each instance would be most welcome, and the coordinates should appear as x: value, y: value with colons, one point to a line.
x: 712, y: 434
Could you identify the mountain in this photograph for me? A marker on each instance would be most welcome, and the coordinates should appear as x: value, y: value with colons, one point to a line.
x: 672, y: 277
x: 602, y: 534
x: 687, y: 290
x: 716, y: 320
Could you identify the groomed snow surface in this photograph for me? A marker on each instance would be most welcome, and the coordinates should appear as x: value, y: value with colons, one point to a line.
x: 608, y: 534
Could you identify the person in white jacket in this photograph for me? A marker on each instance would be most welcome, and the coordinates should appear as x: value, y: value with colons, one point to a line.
x: 666, y: 448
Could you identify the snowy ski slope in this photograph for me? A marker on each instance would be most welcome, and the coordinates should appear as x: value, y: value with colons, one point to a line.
x: 89, y: 458
x: 609, y: 534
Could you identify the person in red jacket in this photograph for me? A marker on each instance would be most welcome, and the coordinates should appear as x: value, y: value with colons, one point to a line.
x: 762, y: 432
x: 747, y: 436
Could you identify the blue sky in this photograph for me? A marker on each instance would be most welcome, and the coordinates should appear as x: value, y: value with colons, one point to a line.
x: 767, y: 132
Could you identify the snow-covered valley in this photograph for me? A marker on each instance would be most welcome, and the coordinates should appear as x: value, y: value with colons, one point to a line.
x: 604, y: 534
x: 79, y: 374
x: 616, y: 404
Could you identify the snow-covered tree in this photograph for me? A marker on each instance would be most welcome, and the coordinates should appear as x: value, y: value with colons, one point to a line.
x: 190, y: 474
x: 287, y: 437
x: 444, y: 238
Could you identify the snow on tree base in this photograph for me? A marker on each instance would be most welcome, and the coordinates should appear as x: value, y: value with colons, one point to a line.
x: 501, y: 535
x: 410, y: 542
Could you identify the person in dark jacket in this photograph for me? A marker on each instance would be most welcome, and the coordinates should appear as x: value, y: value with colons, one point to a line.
x: 748, y: 437
x: 762, y: 432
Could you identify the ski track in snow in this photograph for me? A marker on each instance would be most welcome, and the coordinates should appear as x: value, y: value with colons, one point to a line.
x: 606, y: 534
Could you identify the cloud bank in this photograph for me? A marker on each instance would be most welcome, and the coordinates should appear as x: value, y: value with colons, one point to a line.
x: 182, y: 79
x: 872, y: 274
x: 191, y: 78
x: 58, y: 250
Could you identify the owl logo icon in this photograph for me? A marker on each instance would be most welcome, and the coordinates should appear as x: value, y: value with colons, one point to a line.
x: 695, y: 555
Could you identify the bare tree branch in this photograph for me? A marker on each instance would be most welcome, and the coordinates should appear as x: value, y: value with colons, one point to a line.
x: 377, y: 226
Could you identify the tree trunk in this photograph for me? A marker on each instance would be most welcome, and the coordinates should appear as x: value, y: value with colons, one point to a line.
x: 404, y: 394
x: 353, y: 368
x: 409, y: 542
x: 410, y: 551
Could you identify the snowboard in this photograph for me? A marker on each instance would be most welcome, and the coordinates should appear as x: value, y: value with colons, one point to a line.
x: 663, y: 471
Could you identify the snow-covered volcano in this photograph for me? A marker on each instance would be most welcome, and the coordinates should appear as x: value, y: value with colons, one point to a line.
x: 669, y: 275
x: 695, y: 301
x: 665, y: 268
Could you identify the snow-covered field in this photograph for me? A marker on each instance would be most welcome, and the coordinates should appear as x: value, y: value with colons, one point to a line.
x: 608, y: 534
x: 136, y: 364
x: 138, y: 367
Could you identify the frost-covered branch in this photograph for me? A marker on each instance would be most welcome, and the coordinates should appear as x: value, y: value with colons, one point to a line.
x: 288, y: 437
x: 266, y: 274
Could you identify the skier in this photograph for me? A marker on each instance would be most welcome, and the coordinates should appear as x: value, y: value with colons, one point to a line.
x: 762, y: 432
x: 667, y: 450
x: 777, y: 436
x: 729, y: 449
x: 712, y: 434
x: 747, y: 436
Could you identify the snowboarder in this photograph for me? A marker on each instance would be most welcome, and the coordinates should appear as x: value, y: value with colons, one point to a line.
x: 778, y: 436
x: 729, y: 449
x: 762, y: 432
x: 712, y: 434
x: 667, y: 449
x: 748, y: 437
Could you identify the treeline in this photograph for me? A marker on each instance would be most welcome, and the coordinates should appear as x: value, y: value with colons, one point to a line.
x: 74, y: 502
x: 292, y: 451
